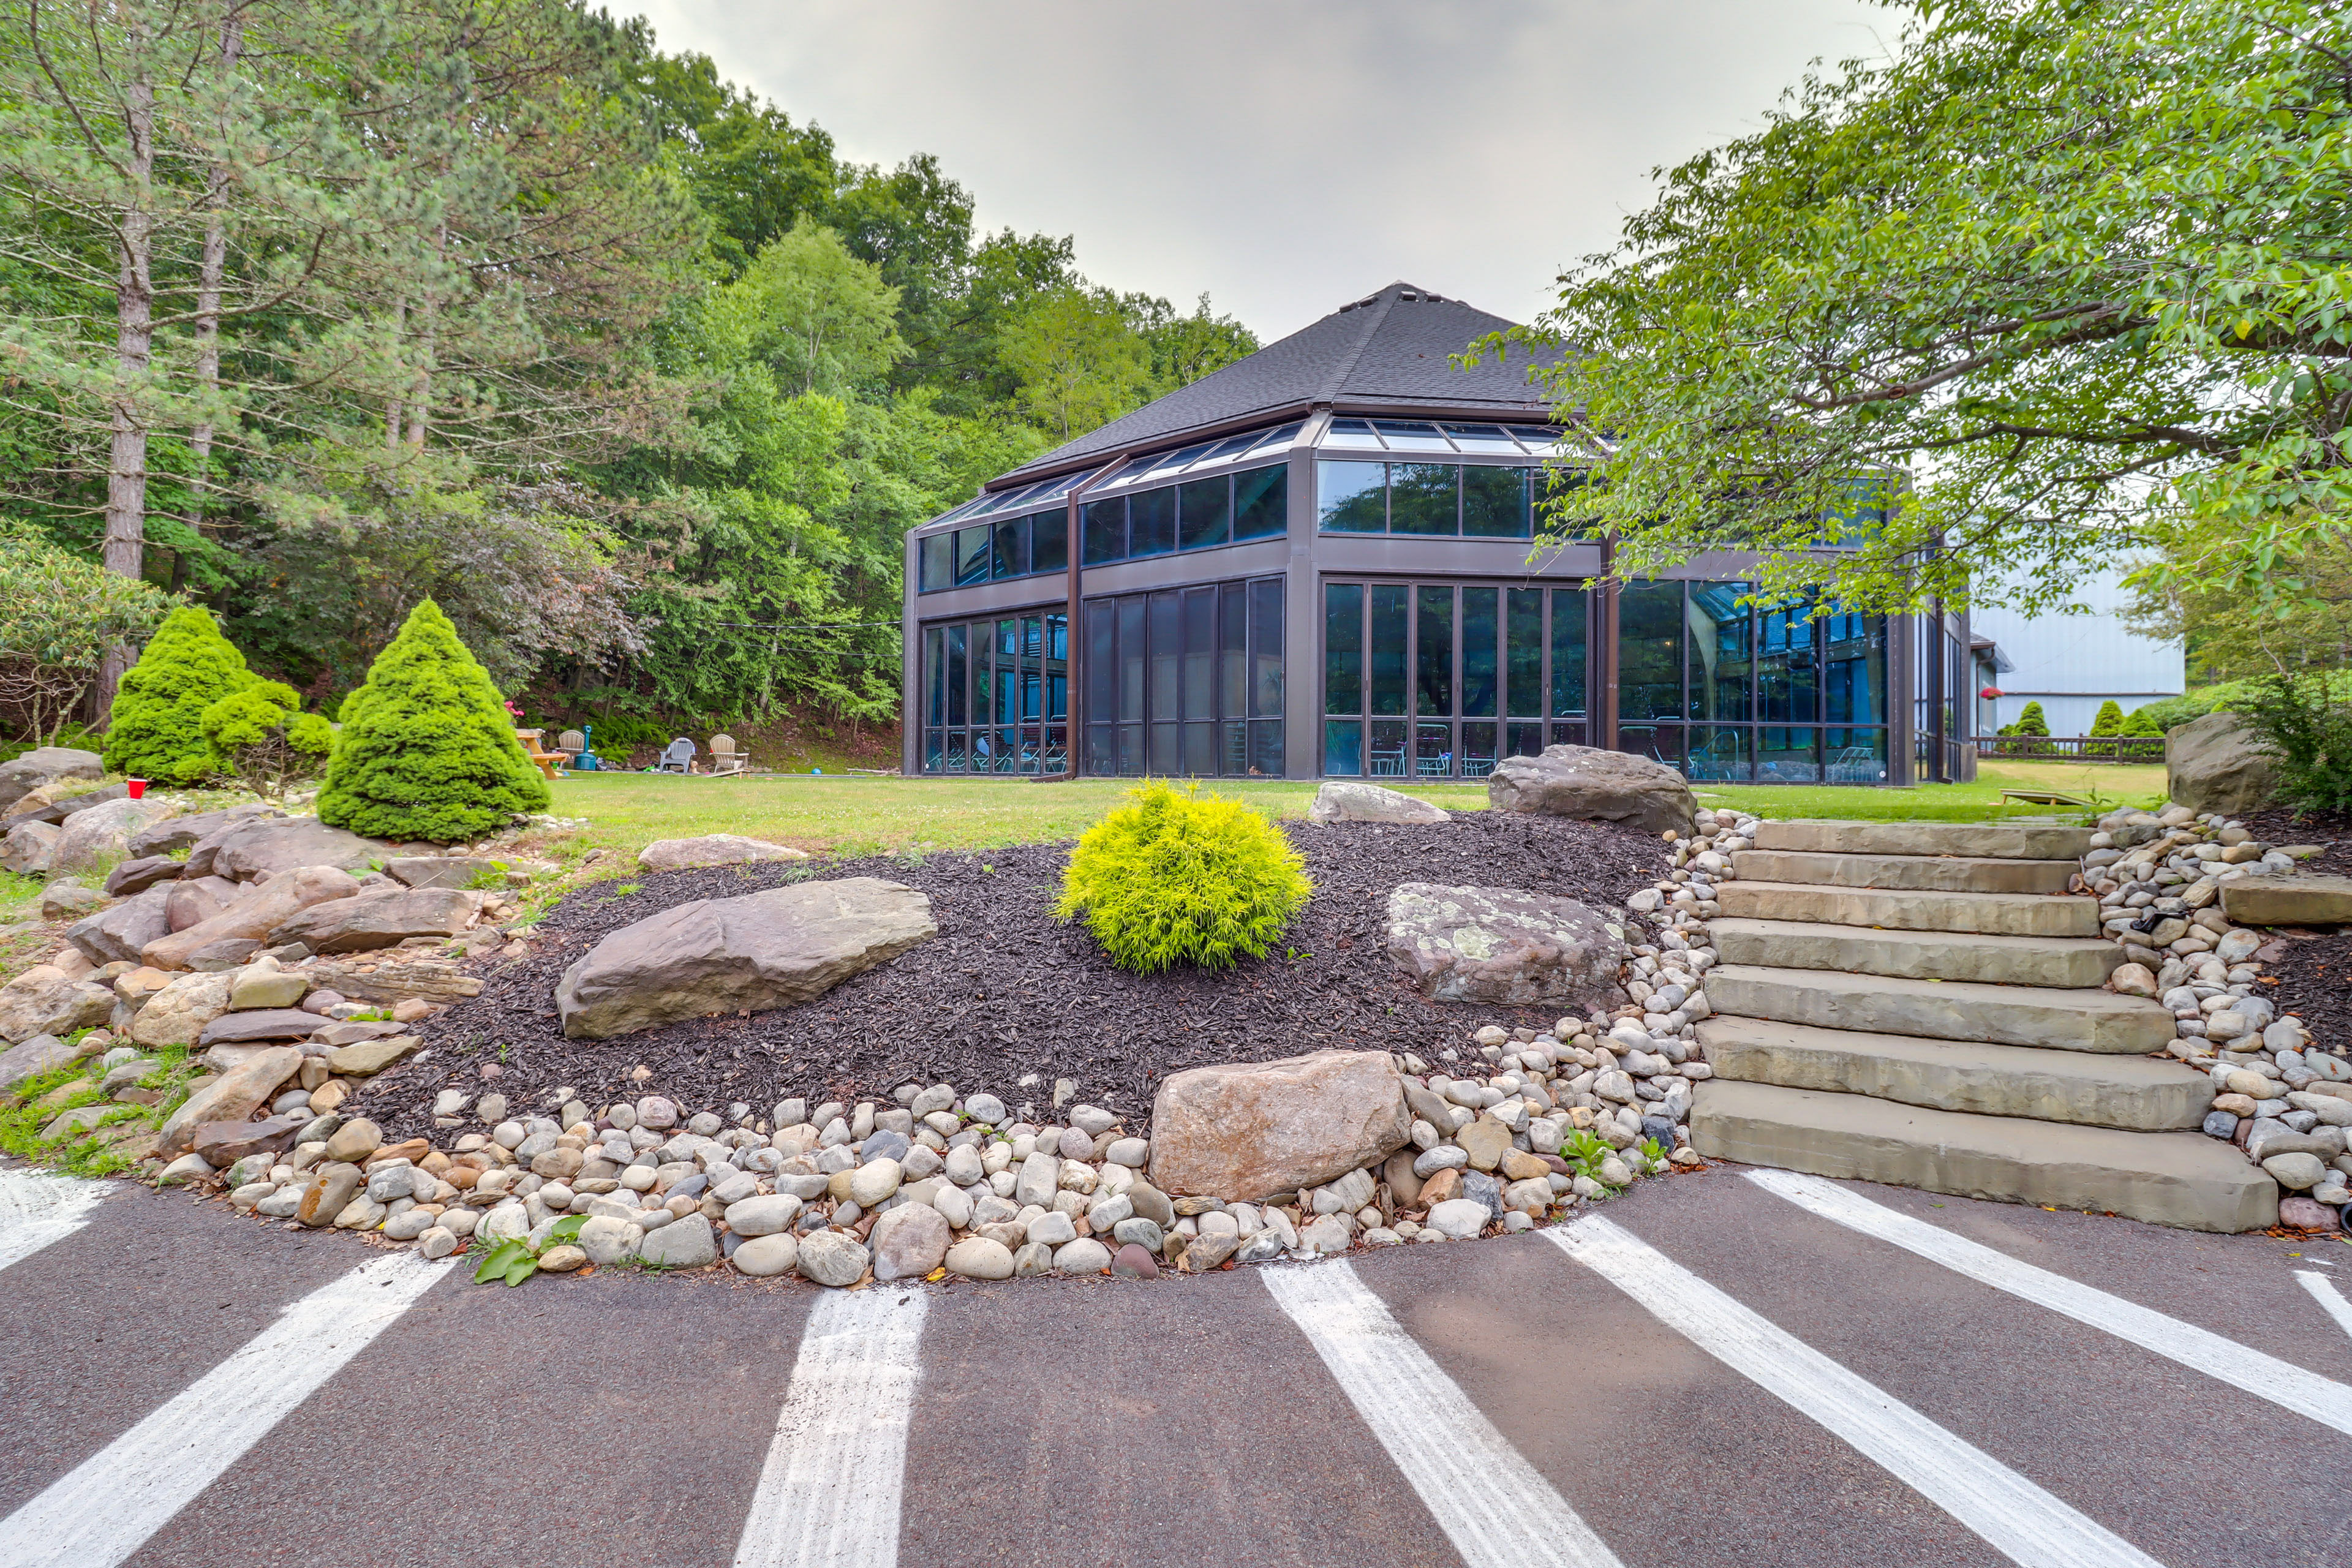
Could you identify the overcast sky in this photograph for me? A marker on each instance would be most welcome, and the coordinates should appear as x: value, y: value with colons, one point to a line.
x: 1287, y: 157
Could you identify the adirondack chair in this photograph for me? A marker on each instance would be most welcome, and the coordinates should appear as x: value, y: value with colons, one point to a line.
x: 678, y: 757
x: 724, y: 757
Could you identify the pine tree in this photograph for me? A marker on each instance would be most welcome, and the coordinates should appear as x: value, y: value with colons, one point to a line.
x: 157, y: 732
x: 427, y: 749
x: 2110, y: 720
x: 2141, y: 723
x: 2031, y: 721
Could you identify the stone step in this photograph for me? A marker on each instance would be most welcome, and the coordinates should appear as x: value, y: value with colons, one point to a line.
x: 2097, y: 1021
x: 1994, y: 840
x: 2139, y: 1094
x: 2183, y: 1179
x: 2065, y: 962
x: 1924, y: 873
x: 1986, y: 914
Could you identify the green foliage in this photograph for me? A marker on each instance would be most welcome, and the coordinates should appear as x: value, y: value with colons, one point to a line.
x: 2308, y: 727
x: 515, y: 1261
x: 2031, y: 721
x: 90, y: 1151
x: 1584, y: 1151
x: 1183, y: 878
x: 266, y: 739
x: 2140, y: 721
x: 2110, y: 720
x: 60, y: 611
x: 158, y: 730
x: 427, y: 749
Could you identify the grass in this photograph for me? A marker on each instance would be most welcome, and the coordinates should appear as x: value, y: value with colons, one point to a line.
x: 31, y: 1105
x: 2110, y: 783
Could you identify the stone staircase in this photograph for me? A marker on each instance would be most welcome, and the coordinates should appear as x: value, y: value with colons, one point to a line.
x: 1921, y: 1004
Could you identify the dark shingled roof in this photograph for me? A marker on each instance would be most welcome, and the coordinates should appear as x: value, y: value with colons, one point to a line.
x: 1388, y: 350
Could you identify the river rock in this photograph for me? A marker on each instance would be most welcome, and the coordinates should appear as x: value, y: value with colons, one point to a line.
x: 32, y: 1057
x: 177, y: 1015
x: 42, y: 766
x: 262, y: 1024
x: 771, y: 948
x: 909, y: 1242
x: 46, y: 1000
x: 379, y: 919
x: 193, y: 900
x: 686, y: 1242
x: 2216, y: 764
x: 256, y: 913
x: 444, y: 871
x: 278, y: 845
x: 226, y: 1142
x: 1347, y: 800
x: 831, y: 1258
x: 1244, y: 1130
x: 1459, y: 1218
x: 233, y: 1096
x: 27, y: 848
x: 766, y: 1256
x: 102, y: 834
x: 175, y: 834
x: 1597, y: 785
x: 980, y: 1257
x: 1502, y: 946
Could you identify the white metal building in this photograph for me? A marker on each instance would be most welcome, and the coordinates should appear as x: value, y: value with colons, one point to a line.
x: 2072, y: 663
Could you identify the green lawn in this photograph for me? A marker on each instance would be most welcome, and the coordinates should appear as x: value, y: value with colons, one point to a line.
x: 874, y: 814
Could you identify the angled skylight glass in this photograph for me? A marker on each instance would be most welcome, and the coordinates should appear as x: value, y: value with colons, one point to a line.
x: 1356, y: 433
x: 1412, y: 435
x: 1483, y: 439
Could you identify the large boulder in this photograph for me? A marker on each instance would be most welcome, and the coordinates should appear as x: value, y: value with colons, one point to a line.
x: 119, y: 935
x: 101, y: 836
x: 138, y: 876
x: 379, y: 919
x: 2288, y: 900
x: 41, y: 1054
x: 392, y: 981
x: 770, y: 949
x: 2215, y: 764
x: 193, y: 900
x: 177, y: 1014
x: 1603, y: 786
x: 53, y: 803
x: 187, y: 831
x: 442, y: 871
x: 1347, y: 800
x: 27, y: 848
x: 20, y: 775
x: 712, y: 849
x: 260, y: 911
x: 46, y: 1000
x: 1501, y: 945
x: 234, y: 1029
x: 233, y: 1096
x: 1246, y: 1131
x: 280, y: 844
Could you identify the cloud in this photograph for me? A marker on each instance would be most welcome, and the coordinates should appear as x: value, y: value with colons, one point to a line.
x: 1289, y: 156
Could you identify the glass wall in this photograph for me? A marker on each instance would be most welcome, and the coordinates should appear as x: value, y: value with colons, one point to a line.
x: 1422, y: 680
x: 991, y: 552
x: 1728, y: 692
x: 996, y: 696
x: 1231, y: 508
x: 1186, y: 681
x: 1431, y: 499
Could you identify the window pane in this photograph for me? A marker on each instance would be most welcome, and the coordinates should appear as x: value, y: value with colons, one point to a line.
x: 1266, y: 647
x: 1166, y: 759
x: 1523, y: 653
x: 1151, y: 522
x: 1232, y: 748
x: 1343, y: 649
x: 1261, y: 502
x: 954, y: 762
x: 935, y: 675
x: 1855, y: 674
x: 1389, y: 639
x: 1482, y: 438
x: 1412, y: 435
x: 1049, y: 541
x: 1788, y: 756
x: 1102, y: 662
x: 1057, y: 667
x: 1433, y: 653
x: 1266, y: 748
x: 934, y: 752
x: 1571, y: 617
x: 1200, y: 660
x: 1352, y: 498
x: 1201, y: 750
x: 1012, y: 556
x: 1718, y: 753
x: 955, y: 676
x: 1567, y: 734
x: 1102, y: 749
x: 1526, y: 740
x: 1477, y: 750
x: 972, y: 552
x: 1650, y: 648
x: 1433, y: 751
x: 1130, y: 659
x: 1105, y: 531
x: 1855, y: 757
x: 1556, y: 496
x: 938, y: 568
x: 1343, y: 748
x: 1386, y: 757
x: 1352, y: 433
x: 1131, y: 751
x: 1166, y: 647
x: 1718, y: 651
x: 1481, y: 630
x: 1204, y: 514
x: 1233, y: 657
x: 1494, y: 504
x: 1659, y: 742
x: 1787, y: 685
x: 1033, y: 671
x: 1425, y: 498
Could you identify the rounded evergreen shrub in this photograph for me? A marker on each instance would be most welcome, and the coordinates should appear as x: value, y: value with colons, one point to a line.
x: 157, y: 732
x: 263, y: 737
x: 2141, y: 721
x: 2110, y: 720
x: 1183, y: 877
x: 2033, y: 721
x: 427, y: 749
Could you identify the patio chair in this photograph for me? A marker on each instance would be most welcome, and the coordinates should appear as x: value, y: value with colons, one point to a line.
x: 1388, y: 765
x: 724, y: 757
x: 678, y: 757
x: 571, y: 743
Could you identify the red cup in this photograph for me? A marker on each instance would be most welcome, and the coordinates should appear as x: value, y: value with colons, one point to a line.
x: 138, y: 788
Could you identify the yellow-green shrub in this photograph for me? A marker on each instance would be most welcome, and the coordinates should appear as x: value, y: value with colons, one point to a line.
x: 1183, y: 877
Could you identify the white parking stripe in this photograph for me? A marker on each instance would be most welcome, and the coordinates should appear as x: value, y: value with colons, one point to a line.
x: 111, y: 1502
x: 829, y: 1493
x: 2331, y: 1300
x: 37, y: 1208
x: 2282, y: 1381
x: 2019, y: 1518
x: 1489, y: 1500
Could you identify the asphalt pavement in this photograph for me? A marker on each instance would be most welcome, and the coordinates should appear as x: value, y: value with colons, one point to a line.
x: 1718, y: 1369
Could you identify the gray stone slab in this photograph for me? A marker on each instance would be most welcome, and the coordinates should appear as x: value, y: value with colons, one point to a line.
x: 2004, y: 841
x: 2064, y: 961
x: 1987, y: 914
x: 1926, y: 873
x: 2288, y: 900
x: 2082, y: 1020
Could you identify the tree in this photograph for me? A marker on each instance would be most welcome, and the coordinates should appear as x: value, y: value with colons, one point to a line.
x: 2052, y: 264
x: 1080, y: 363
x: 158, y: 730
x: 60, y: 613
x: 816, y: 316
x: 262, y: 736
x: 427, y: 749
x: 2110, y: 720
x: 2031, y: 721
x: 2140, y: 721
x: 2233, y: 634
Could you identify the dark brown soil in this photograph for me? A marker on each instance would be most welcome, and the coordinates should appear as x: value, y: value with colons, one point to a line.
x: 1005, y: 999
x: 2332, y: 829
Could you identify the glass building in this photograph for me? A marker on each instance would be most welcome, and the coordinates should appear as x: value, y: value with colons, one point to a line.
x: 1318, y: 561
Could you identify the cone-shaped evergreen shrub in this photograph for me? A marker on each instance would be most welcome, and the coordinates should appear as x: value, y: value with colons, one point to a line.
x: 263, y: 736
x: 2142, y: 722
x: 2110, y: 720
x: 1183, y: 878
x: 427, y: 749
x: 2031, y: 721
x: 157, y: 732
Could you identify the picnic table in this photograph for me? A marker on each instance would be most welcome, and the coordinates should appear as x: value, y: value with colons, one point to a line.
x: 545, y: 761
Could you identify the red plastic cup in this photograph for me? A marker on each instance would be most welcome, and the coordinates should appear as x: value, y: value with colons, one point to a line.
x: 138, y: 788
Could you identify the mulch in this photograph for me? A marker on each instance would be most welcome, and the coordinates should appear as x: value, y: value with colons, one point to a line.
x: 2315, y: 970
x: 1007, y: 1000
x: 2330, y: 829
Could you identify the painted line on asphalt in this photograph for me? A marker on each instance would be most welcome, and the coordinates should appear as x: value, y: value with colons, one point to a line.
x: 2331, y: 1300
x: 1494, y: 1507
x: 37, y: 1208
x: 109, y: 1504
x: 830, y: 1489
x: 2283, y: 1382
x: 2020, y: 1519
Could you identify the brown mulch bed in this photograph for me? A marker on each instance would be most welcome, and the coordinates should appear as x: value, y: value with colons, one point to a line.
x: 1004, y: 993
x: 2331, y: 829
x: 2314, y: 984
